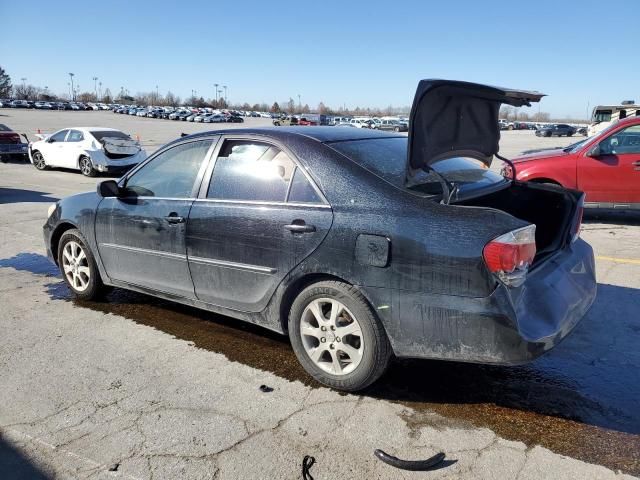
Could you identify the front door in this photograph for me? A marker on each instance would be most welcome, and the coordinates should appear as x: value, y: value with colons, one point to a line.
x: 613, y: 176
x: 258, y: 218
x: 53, y: 149
x: 141, y: 234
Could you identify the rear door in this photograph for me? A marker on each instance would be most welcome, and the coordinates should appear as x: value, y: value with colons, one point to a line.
x: 141, y: 234
x: 255, y: 220
x: 613, y: 177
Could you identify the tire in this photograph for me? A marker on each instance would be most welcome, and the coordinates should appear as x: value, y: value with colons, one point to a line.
x: 38, y: 161
x: 369, y: 349
x: 86, y: 167
x: 569, y: 134
x: 397, y: 129
x: 78, y: 266
x: 548, y: 134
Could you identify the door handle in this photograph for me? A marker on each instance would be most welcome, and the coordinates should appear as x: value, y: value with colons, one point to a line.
x: 298, y: 226
x: 174, y: 218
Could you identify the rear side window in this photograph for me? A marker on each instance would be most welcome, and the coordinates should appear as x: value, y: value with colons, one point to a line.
x: 301, y: 190
x: 251, y: 171
x: 75, y: 136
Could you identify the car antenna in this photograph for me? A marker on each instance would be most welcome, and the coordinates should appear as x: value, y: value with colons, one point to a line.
x: 511, y: 164
x: 447, y: 189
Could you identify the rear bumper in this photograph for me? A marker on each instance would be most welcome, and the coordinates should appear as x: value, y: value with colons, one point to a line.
x: 511, y: 326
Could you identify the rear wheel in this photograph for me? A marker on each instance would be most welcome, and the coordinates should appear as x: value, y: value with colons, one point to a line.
x: 396, y: 129
x: 337, y: 337
x: 78, y: 266
x: 86, y: 167
x: 38, y: 161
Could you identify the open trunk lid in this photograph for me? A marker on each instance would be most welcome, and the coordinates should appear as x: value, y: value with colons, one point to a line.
x: 120, y: 147
x: 450, y: 118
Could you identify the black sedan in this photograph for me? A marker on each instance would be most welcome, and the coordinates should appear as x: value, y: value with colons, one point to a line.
x: 358, y: 244
x: 556, y: 130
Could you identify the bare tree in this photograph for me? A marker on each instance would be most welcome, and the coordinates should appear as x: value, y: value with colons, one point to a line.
x: 106, y: 97
x: 275, y: 108
x: 26, y: 92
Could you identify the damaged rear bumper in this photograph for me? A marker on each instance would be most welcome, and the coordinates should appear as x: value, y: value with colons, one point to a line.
x: 511, y: 326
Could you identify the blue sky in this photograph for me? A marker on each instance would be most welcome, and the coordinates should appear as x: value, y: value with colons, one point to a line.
x: 369, y: 53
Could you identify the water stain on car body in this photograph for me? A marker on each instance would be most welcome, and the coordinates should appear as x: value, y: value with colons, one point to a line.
x: 542, y: 403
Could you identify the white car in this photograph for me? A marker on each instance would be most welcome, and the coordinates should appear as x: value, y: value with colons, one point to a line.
x: 88, y: 149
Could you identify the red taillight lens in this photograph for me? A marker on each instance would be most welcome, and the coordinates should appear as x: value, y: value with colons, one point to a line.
x: 510, y: 255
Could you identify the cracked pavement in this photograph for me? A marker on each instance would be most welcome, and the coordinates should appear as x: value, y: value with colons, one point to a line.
x: 92, y: 395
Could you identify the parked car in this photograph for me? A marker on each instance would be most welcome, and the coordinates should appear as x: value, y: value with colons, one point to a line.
x: 582, y: 131
x: 286, y: 121
x: 284, y: 230
x: 42, y: 105
x: 19, y: 104
x: 391, y: 125
x: 606, y: 166
x: 235, y: 119
x: 90, y: 150
x: 556, y: 130
x: 360, y: 122
x: 11, y: 145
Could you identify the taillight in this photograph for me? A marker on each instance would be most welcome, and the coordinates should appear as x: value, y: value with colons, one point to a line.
x: 577, y: 221
x: 510, y: 255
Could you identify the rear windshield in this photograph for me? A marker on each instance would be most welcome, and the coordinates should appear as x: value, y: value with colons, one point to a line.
x: 110, y: 134
x: 387, y: 158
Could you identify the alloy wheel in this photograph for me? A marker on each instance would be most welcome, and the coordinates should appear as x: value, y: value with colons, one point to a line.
x: 85, y: 166
x: 331, y: 336
x: 76, y: 266
x: 38, y: 161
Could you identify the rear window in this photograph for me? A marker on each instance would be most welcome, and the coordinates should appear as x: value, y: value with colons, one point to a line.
x: 387, y: 158
x: 110, y: 134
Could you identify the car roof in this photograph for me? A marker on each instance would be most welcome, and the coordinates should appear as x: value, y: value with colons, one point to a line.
x: 93, y: 129
x: 320, y: 134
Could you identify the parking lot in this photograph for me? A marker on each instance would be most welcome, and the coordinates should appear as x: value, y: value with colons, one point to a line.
x: 136, y: 387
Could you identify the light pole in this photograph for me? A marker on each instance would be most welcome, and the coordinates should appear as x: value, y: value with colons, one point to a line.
x: 73, y: 93
x: 157, y: 94
x: 299, y: 104
x: 95, y: 87
x: 216, y: 86
x: 225, y: 94
x: 220, y: 93
x: 100, y: 89
x: 69, y: 85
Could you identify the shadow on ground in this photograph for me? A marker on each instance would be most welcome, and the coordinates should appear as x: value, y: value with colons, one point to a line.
x: 16, y: 466
x: 628, y: 217
x: 17, y: 195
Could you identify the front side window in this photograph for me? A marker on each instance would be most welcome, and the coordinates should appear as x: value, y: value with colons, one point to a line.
x: 75, y: 136
x: 251, y: 171
x: 624, y: 142
x: 59, y: 137
x: 172, y: 173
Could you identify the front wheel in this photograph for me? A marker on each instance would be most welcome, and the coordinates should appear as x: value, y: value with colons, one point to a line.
x: 78, y: 266
x: 337, y: 337
x: 38, y: 161
x: 86, y: 167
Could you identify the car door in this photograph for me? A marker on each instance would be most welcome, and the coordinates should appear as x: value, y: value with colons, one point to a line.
x: 53, y: 149
x: 72, y: 149
x: 611, y: 175
x: 256, y: 219
x: 141, y: 233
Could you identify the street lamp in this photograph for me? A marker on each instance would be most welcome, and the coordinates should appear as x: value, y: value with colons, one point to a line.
x: 100, y: 89
x: 73, y: 94
x: 299, y: 104
x: 216, y: 86
x: 225, y: 93
x: 95, y: 87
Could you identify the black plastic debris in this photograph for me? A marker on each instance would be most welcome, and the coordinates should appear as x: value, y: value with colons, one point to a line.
x: 114, y: 467
x: 265, y: 389
x: 307, y: 463
x: 413, y: 465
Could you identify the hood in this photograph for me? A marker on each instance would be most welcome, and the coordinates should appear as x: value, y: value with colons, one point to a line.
x: 450, y: 118
x: 540, y: 153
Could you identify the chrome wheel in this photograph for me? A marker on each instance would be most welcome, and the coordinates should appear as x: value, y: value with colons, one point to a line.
x: 76, y: 266
x: 38, y: 161
x: 331, y: 336
x: 85, y: 166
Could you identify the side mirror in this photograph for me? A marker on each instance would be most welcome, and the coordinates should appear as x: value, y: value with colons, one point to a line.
x: 594, y: 152
x: 108, y: 189
x: 50, y: 140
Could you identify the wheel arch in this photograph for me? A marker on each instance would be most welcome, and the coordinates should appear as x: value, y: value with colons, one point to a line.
x: 544, y: 180
x: 294, y: 288
x: 56, y: 235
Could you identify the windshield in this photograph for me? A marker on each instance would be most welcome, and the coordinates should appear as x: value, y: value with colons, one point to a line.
x: 574, y: 147
x: 602, y: 116
x: 387, y: 158
x: 110, y: 134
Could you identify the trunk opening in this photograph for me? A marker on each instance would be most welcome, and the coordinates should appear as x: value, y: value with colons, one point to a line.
x: 549, y: 208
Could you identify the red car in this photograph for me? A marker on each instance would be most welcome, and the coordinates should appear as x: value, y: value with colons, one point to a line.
x: 606, y: 166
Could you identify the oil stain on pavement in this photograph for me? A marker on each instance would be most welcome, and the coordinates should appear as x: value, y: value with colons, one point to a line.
x: 579, y: 400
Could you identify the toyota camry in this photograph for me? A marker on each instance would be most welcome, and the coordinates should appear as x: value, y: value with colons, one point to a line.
x: 360, y: 245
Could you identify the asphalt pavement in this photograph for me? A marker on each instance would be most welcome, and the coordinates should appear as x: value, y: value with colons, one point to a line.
x: 135, y: 387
